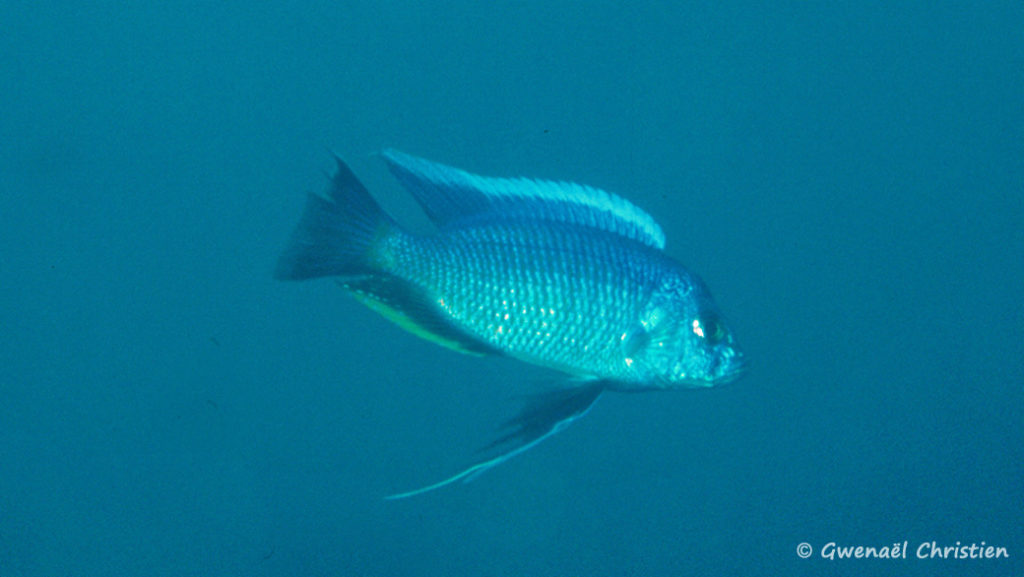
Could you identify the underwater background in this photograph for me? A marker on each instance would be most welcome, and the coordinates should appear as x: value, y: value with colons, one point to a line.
x: 848, y: 178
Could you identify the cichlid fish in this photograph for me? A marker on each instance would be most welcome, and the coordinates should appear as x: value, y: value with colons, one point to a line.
x: 555, y: 274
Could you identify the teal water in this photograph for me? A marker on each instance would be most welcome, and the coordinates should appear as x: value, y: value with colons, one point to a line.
x: 849, y: 181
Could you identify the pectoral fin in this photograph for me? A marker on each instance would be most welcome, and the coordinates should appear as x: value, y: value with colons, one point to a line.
x: 541, y: 417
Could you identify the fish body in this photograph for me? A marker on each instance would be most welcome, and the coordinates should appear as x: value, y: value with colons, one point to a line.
x: 554, y: 274
x: 561, y: 296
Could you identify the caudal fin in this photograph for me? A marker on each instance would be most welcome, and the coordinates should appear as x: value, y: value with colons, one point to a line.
x: 336, y: 233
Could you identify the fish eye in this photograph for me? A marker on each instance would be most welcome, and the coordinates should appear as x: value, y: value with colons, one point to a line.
x: 709, y: 328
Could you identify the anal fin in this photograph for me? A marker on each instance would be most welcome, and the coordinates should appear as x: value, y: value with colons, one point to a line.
x: 411, y: 308
x: 541, y: 417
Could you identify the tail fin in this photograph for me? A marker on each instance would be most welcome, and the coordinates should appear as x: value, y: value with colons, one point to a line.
x: 336, y: 233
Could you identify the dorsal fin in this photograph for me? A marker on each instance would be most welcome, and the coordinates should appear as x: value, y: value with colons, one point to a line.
x: 449, y: 195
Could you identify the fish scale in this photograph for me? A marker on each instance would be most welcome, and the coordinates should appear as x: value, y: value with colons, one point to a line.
x: 493, y: 281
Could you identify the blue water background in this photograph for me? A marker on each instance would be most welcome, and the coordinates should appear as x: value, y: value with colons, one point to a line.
x: 847, y: 177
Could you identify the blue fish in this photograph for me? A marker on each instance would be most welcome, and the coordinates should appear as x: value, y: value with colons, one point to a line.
x: 555, y: 274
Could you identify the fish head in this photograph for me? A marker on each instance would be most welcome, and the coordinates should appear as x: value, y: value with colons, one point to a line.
x: 682, y: 340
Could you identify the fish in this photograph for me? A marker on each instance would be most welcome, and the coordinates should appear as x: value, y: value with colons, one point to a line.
x: 552, y: 273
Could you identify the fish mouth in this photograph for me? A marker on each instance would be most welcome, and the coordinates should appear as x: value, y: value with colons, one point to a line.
x: 722, y: 370
x: 732, y: 368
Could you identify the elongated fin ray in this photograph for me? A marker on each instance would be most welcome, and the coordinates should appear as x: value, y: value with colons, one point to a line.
x: 535, y: 418
x: 450, y: 195
x: 541, y: 418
